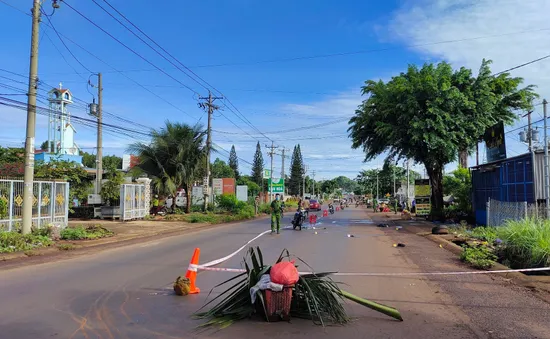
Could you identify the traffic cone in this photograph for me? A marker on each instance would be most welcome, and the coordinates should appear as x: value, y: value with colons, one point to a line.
x: 192, y: 272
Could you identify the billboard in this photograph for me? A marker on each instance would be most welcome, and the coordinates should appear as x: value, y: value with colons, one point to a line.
x: 267, y: 174
x: 495, y: 142
x: 242, y: 193
x: 197, y: 195
x: 422, y: 188
x: 278, y: 185
x: 217, y: 185
x: 228, y: 186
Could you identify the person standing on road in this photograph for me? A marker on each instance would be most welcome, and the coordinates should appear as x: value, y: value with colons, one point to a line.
x: 374, y: 205
x: 276, y: 213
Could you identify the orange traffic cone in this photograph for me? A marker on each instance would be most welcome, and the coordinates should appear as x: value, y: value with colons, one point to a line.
x: 192, y: 272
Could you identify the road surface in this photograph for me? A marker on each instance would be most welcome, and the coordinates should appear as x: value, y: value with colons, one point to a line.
x: 126, y: 292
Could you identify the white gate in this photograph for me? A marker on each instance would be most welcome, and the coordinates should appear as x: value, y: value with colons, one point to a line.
x: 50, y: 204
x: 132, y: 201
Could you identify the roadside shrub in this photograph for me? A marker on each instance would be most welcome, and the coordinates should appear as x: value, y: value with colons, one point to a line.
x: 247, y: 212
x: 478, y: 257
x: 526, y: 243
x: 81, y: 233
x: 3, y: 207
x: 488, y: 234
x: 265, y: 208
x: 13, y: 242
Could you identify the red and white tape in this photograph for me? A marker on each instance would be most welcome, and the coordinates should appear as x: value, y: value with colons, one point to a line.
x: 381, y: 274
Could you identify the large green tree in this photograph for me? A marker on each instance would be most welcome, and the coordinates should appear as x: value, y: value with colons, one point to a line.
x: 173, y: 157
x: 459, y: 185
x: 234, y: 161
x: 429, y: 114
x: 297, y: 172
x: 258, y: 166
x: 220, y: 169
x: 80, y: 183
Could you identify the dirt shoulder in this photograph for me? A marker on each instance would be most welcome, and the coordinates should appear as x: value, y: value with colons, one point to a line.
x: 537, y: 284
x: 497, y: 306
x: 125, y: 234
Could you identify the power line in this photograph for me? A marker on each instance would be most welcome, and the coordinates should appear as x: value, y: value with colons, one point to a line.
x: 236, y: 111
x: 63, y: 42
x: 128, y: 47
x: 295, y: 129
x: 523, y: 65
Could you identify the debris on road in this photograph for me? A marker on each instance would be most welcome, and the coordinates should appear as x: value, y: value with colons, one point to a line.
x: 351, y: 236
x: 383, y: 225
x: 314, y: 296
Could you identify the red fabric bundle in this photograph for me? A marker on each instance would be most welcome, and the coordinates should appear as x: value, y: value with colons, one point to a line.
x: 284, y: 273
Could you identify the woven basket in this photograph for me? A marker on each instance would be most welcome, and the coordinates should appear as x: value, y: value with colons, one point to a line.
x: 278, y: 304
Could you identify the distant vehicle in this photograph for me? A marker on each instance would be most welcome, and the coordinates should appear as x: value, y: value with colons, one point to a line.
x: 314, y: 205
x: 384, y: 201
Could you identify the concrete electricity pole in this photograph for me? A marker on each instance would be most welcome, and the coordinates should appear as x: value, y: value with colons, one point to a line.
x: 271, y: 153
x: 31, y: 121
x: 377, y: 185
x: 304, y: 187
x: 283, y: 165
x: 209, y: 105
x: 99, y: 156
x: 408, y: 185
x: 546, y: 181
x: 313, y: 176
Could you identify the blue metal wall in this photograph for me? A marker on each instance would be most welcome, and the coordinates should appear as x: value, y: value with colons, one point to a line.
x: 508, y: 180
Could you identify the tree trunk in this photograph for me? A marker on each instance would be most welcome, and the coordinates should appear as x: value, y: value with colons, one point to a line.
x: 463, y: 159
x: 436, y: 181
x: 188, y: 189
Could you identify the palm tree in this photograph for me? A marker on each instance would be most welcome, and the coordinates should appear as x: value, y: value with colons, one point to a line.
x: 173, y: 158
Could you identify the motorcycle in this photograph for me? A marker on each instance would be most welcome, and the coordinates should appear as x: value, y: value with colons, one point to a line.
x: 298, y: 220
x: 331, y: 208
x: 342, y: 206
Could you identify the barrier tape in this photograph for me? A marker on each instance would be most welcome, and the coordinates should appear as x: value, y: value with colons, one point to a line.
x: 219, y: 261
x: 353, y: 274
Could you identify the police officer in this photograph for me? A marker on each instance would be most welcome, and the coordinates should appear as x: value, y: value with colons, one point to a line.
x: 276, y: 213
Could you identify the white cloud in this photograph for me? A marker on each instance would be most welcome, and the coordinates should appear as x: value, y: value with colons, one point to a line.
x: 445, y: 20
x: 522, y: 25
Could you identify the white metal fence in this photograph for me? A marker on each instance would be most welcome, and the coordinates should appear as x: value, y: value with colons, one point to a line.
x: 133, y: 201
x: 50, y: 204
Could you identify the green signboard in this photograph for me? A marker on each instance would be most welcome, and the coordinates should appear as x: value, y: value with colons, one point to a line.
x: 278, y: 185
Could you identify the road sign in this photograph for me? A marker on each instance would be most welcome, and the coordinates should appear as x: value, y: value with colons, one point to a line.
x: 278, y: 185
x: 267, y: 174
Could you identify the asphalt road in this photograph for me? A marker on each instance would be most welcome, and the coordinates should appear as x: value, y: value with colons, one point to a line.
x: 126, y: 292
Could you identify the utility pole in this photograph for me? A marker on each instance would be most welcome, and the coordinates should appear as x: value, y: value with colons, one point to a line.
x: 313, y: 176
x: 209, y: 105
x: 283, y: 165
x: 546, y: 181
x: 271, y: 153
x: 394, y: 180
x: 99, y: 157
x: 377, y: 196
x: 408, y: 184
x: 28, y: 193
x: 304, y: 187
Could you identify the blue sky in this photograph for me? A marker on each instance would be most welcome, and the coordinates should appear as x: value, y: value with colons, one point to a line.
x: 229, y: 44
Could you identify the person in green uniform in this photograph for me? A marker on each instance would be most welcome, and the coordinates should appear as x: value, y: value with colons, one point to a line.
x: 374, y: 205
x: 276, y: 213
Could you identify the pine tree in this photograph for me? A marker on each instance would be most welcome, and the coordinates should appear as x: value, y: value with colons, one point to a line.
x: 296, y: 172
x: 234, y: 161
x: 258, y: 166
